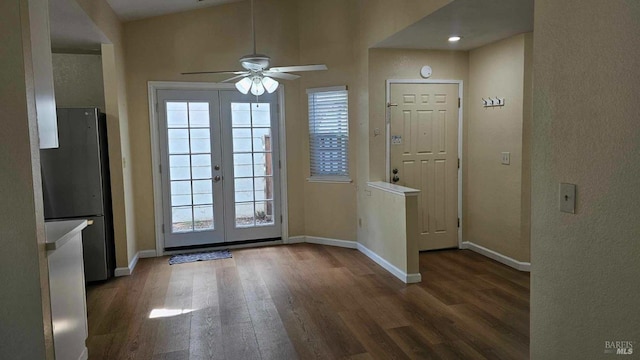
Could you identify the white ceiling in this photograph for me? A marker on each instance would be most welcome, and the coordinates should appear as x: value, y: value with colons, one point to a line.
x: 72, y: 29
x: 138, y: 9
x: 479, y: 22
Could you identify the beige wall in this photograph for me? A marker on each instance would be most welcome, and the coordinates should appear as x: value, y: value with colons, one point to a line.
x: 395, y: 235
x: 78, y: 80
x: 25, y: 332
x: 327, y: 34
x: 494, y: 210
x: 584, y: 281
x: 115, y: 92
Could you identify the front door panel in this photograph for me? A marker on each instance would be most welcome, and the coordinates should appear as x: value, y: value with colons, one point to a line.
x: 424, y: 150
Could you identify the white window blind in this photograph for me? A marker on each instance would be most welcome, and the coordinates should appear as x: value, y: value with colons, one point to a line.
x: 329, y: 132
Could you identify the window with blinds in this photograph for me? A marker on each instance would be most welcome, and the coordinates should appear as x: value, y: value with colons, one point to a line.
x: 329, y: 133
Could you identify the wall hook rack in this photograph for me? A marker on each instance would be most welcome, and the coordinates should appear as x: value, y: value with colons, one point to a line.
x: 493, y: 102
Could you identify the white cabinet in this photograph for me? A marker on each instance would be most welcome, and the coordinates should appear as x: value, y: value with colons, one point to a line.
x: 67, y: 289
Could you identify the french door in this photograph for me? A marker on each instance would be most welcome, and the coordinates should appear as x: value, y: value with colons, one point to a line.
x: 220, y: 167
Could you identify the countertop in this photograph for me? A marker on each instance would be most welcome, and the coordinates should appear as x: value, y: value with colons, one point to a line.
x: 59, y: 232
x: 393, y: 188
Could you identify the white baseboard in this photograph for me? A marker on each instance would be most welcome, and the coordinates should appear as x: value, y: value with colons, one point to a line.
x: 126, y: 271
x: 296, y: 239
x: 84, y: 355
x: 331, y: 242
x: 518, y: 265
x: 143, y: 254
x: 403, y: 276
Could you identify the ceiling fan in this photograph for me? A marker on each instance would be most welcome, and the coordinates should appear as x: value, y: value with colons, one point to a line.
x: 257, y: 77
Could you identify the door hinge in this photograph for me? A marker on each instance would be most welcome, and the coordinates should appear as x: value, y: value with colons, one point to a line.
x: 458, y: 163
x: 157, y: 108
x: 160, y: 168
x: 279, y: 164
x: 458, y: 222
x: 163, y: 228
x: 280, y: 219
x: 459, y: 102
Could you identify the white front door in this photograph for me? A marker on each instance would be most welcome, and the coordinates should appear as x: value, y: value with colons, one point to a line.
x: 220, y: 178
x: 424, y: 156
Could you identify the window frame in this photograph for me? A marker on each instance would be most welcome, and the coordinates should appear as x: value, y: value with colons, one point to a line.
x: 328, y: 178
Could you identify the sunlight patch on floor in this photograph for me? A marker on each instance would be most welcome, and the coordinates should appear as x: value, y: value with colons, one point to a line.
x: 163, y: 313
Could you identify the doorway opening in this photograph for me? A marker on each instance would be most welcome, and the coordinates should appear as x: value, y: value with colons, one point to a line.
x: 219, y: 178
x: 424, y: 152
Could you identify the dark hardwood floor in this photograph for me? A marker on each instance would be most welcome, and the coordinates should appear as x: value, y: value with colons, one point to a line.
x: 311, y: 302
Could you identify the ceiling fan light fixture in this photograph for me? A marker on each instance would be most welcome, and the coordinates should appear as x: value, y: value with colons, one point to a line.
x: 244, y: 85
x: 257, y: 88
x: 270, y: 85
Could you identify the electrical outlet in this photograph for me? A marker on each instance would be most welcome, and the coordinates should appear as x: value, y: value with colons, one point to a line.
x: 506, y: 158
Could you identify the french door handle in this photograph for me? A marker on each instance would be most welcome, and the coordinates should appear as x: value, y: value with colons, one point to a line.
x: 217, y: 178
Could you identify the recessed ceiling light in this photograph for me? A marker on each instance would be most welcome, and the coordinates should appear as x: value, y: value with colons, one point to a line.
x: 454, y: 38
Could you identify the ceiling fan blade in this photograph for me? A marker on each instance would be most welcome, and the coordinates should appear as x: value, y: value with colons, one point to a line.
x: 280, y: 75
x: 214, y: 72
x: 299, y: 68
x: 235, y: 78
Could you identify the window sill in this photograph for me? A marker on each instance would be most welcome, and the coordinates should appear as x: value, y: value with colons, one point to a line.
x: 330, y: 179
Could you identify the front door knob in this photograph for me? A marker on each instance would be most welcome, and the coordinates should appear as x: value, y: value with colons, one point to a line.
x: 217, y: 178
x: 395, y: 178
x: 217, y: 167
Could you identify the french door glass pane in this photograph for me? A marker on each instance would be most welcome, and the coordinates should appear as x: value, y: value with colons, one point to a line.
x: 190, y: 173
x: 182, y: 219
x: 261, y: 139
x: 181, y: 193
x: 264, y: 213
x: 244, y: 215
x: 179, y: 167
x: 263, y: 188
x: 178, y: 141
x: 252, y: 164
x: 242, y: 165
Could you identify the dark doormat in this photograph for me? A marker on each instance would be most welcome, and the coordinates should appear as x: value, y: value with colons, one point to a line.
x: 202, y: 256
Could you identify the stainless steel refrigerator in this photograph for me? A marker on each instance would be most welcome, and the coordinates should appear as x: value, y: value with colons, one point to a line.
x: 76, y: 185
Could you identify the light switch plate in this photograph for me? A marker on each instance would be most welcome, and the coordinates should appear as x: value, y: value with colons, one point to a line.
x: 568, y: 198
x: 506, y: 158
